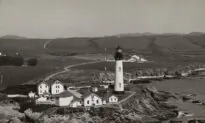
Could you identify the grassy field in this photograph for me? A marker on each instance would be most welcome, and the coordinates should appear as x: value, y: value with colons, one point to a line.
x: 162, y: 50
x: 17, y: 75
x: 162, y: 43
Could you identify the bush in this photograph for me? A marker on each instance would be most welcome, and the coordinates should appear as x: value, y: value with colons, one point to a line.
x: 32, y: 62
x: 8, y: 60
x: 17, y: 61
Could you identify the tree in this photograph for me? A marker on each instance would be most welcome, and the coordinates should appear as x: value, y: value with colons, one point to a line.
x: 32, y: 62
x: 177, y: 73
x: 17, y: 61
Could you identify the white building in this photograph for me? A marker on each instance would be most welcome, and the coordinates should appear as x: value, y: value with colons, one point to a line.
x: 94, y: 88
x: 31, y: 94
x: 41, y: 100
x: 64, y: 99
x: 91, y: 99
x: 136, y: 58
x: 75, y: 93
x: 109, y: 98
x: 76, y: 102
x: 42, y: 88
x: 113, y: 99
x: 57, y: 87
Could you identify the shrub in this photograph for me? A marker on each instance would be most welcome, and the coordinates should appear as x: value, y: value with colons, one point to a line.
x: 32, y: 62
x: 8, y: 60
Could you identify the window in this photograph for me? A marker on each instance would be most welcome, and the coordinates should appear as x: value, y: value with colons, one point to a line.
x: 40, y: 86
x: 88, y: 102
x: 120, y: 85
x: 97, y: 101
x: 119, y: 68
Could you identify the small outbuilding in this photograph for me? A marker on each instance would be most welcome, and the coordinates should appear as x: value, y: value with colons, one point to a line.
x: 41, y: 100
x: 76, y: 102
x: 113, y: 99
x: 31, y: 94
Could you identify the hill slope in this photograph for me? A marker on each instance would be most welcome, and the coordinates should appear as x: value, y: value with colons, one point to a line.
x: 166, y: 42
x: 12, y: 37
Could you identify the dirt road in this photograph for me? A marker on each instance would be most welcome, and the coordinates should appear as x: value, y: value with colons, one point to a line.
x: 46, y: 44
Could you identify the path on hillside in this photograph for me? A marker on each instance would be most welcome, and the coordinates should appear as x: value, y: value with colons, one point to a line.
x: 46, y: 44
x: 125, y: 99
x: 67, y: 68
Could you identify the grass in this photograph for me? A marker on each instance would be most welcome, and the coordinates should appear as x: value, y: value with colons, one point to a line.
x: 168, y: 43
x: 18, y: 75
x: 20, y: 89
x: 128, y: 67
x: 151, y: 47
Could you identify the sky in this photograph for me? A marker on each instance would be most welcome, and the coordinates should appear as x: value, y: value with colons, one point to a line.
x: 80, y: 18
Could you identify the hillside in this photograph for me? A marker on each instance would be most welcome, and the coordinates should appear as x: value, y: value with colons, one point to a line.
x: 167, y: 49
x: 12, y: 37
x: 163, y: 43
x: 140, y: 42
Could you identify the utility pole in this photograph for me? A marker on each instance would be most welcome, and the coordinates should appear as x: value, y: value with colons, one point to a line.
x: 1, y: 79
x: 105, y: 60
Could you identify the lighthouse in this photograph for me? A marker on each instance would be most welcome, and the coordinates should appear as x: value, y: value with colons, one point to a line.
x: 119, y: 82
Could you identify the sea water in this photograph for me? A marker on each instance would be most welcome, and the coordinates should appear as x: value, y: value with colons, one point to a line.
x: 186, y: 86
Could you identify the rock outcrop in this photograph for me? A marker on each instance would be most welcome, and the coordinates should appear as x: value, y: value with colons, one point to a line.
x: 148, y: 105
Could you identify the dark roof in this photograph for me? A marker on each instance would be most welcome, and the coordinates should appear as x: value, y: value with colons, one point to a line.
x: 76, y: 99
x: 83, y: 90
x: 105, y: 95
x: 45, y: 82
x: 64, y: 94
x: 95, y: 85
x: 88, y: 93
x: 56, y: 81
x: 50, y: 82
x: 45, y: 93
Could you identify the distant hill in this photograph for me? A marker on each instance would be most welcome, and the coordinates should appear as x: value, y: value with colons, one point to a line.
x: 12, y: 37
x: 137, y: 42
x: 134, y: 34
x: 196, y: 33
x: 156, y: 43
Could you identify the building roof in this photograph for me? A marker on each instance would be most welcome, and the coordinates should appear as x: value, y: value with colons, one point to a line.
x: 95, y: 85
x: 50, y: 82
x: 75, y: 93
x: 75, y: 99
x: 88, y: 93
x: 56, y: 81
x: 64, y: 94
x: 43, y: 83
x: 45, y: 93
x: 105, y: 95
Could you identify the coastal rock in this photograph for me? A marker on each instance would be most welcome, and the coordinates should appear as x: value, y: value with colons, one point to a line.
x: 144, y: 106
x: 32, y: 116
x: 14, y: 120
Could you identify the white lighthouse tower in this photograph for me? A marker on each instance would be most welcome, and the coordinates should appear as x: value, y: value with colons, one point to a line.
x: 119, y: 81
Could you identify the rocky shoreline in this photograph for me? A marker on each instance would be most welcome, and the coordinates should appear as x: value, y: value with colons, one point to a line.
x: 146, y: 105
